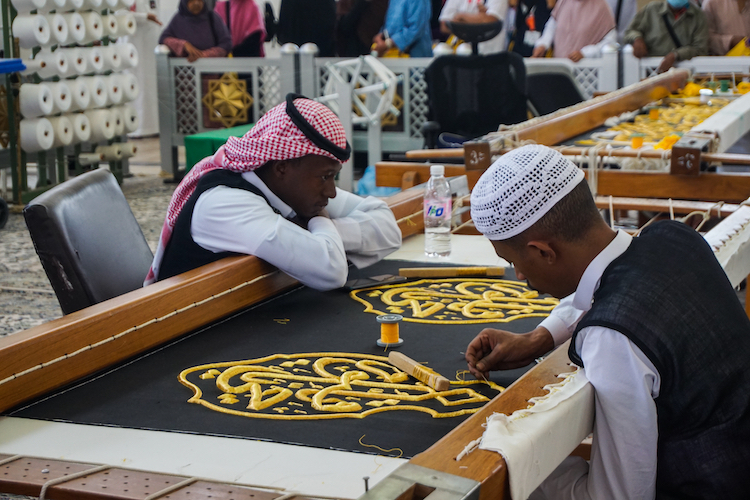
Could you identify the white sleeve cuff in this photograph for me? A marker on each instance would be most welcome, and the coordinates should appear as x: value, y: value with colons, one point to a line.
x: 557, y: 328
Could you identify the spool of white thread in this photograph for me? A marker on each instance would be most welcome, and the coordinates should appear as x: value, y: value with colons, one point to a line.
x: 26, y: 6
x: 126, y: 4
x: 118, y: 120
x: 112, y: 152
x: 94, y: 57
x: 73, y: 5
x: 61, y: 96
x: 102, y: 124
x: 130, y: 87
x: 76, y: 28
x: 92, y: 4
x: 128, y: 55
x: 94, y: 27
x: 125, y: 23
x: 129, y: 118
x: 129, y: 149
x: 111, y: 4
x: 86, y: 159
x: 97, y: 91
x: 111, y: 25
x: 81, y: 127
x: 32, y: 31
x: 80, y: 94
x: 76, y: 59
x: 58, y: 29
x: 47, y: 64
x: 36, y: 134
x: 111, y: 58
x: 114, y: 88
x: 63, y: 128
x: 35, y: 99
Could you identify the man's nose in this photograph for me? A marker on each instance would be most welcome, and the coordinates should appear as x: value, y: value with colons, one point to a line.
x: 330, y: 188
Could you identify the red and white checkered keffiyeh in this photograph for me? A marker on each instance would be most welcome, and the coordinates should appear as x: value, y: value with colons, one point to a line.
x: 274, y: 137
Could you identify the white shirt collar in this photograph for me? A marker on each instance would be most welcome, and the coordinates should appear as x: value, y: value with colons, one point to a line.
x: 592, y: 276
x: 275, y: 201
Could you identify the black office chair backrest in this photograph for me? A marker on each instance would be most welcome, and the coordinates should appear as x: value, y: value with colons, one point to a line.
x: 473, y: 95
x: 88, y: 240
x: 552, y: 90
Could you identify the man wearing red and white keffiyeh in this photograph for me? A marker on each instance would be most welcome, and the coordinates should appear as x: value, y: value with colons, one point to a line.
x: 271, y: 193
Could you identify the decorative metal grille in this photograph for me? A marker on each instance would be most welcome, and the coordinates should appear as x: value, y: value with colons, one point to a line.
x: 269, y: 88
x: 588, y: 79
x: 418, y: 105
x: 186, y: 102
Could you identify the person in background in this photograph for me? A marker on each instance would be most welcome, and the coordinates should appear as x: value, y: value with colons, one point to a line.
x: 624, y: 12
x: 196, y: 32
x: 407, y: 28
x: 245, y: 23
x: 477, y: 12
x: 728, y: 23
x: 272, y: 194
x: 577, y: 29
x: 530, y: 18
x: 676, y: 30
x: 358, y: 21
x: 308, y: 21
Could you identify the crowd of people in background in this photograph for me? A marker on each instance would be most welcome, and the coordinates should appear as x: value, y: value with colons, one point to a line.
x: 672, y: 29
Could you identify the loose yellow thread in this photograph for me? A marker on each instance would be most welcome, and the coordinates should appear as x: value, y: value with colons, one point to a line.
x: 400, y: 451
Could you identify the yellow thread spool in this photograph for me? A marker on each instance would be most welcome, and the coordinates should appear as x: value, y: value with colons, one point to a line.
x: 389, y: 330
x: 653, y: 113
x: 636, y: 141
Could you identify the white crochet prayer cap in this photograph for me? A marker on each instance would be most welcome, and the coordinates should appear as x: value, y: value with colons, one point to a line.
x: 519, y: 188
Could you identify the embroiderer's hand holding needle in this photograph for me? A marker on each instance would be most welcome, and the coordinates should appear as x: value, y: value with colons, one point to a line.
x: 501, y: 350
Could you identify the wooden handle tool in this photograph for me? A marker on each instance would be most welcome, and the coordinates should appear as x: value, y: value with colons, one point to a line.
x: 424, y: 375
x: 449, y: 272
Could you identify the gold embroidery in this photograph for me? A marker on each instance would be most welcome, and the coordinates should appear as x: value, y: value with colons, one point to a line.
x: 456, y: 300
x: 341, y: 385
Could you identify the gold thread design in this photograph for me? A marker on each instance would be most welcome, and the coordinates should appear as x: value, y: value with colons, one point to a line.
x: 400, y: 451
x: 340, y: 385
x: 456, y: 301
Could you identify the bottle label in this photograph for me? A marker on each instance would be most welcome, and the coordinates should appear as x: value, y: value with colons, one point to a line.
x: 437, y: 210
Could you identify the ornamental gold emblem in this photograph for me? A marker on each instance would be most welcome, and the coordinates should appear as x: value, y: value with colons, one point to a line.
x: 314, y: 386
x: 227, y: 100
x: 456, y: 300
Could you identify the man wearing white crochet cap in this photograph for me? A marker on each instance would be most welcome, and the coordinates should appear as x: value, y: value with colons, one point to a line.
x: 272, y: 194
x: 654, y: 323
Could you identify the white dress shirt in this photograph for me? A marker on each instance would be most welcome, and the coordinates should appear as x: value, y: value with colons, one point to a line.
x: 496, y: 8
x: 623, y: 452
x: 363, y: 230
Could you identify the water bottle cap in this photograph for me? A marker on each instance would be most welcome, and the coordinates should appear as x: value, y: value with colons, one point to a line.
x: 437, y: 170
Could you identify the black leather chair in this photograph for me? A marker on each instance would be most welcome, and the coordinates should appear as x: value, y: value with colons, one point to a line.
x: 472, y: 95
x: 88, y: 240
x: 551, y: 88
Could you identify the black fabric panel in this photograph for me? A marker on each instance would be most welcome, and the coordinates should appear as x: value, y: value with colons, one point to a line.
x: 145, y: 393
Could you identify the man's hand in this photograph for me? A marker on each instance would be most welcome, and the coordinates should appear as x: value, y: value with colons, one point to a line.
x: 152, y: 17
x: 500, y: 350
x: 380, y: 46
x: 575, y: 56
x: 639, y: 48
x: 667, y: 62
x: 193, y: 54
x: 539, y: 51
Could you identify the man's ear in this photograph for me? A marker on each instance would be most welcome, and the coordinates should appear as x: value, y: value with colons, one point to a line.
x: 543, y: 250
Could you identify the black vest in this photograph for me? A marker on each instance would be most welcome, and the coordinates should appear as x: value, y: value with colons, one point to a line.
x: 182, y: 253
x: 668, y: 294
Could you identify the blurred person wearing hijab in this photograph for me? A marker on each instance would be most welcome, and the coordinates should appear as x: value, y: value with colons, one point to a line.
x: 728, y: 24
x: 272, y: 194
x: 246, y: 25
x: 357, y: 22
x: 577, y: 29
x: 195, y: 32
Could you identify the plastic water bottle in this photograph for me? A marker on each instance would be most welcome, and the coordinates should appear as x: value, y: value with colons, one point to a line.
x: 437, y: 214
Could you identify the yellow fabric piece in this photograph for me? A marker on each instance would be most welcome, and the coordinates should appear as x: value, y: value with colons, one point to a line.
x: 739, y: 50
